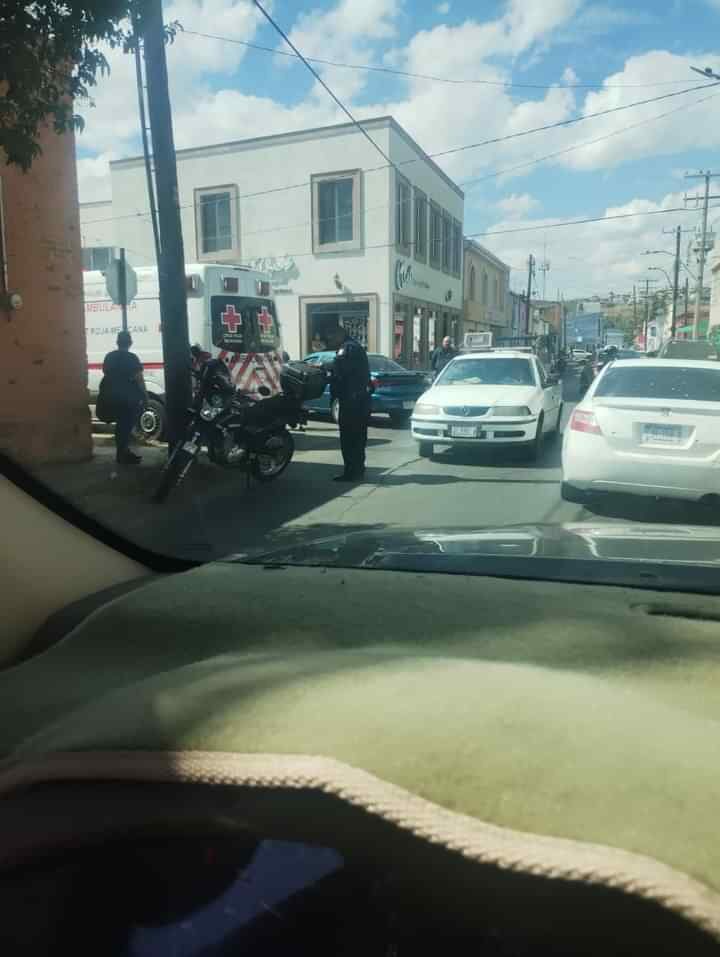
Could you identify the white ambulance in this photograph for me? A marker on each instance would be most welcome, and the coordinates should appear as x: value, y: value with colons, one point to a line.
x: 231, y: 314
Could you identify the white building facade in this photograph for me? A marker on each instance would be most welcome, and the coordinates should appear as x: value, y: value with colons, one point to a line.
x: 343, y: 234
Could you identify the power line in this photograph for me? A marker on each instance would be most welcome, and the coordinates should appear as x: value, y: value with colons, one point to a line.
x: 320, y: 80
x: 436, y: 79
x: 578, y: 146
x: 372, y: 169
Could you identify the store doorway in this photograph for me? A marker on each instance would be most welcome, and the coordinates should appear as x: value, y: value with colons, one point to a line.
x: 323, y: 319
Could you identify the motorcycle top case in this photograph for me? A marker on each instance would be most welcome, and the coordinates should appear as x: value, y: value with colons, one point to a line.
x: 302, y: 380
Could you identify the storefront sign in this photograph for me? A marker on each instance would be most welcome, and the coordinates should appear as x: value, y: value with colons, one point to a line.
x: 405, y: 277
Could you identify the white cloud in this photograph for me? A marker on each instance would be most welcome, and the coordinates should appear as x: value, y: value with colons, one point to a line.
x: 443, y: 9
x: 517, y: 205
x: 596, y: 257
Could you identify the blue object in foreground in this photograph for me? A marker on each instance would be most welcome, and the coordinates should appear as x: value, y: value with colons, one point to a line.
x: 396, y: 390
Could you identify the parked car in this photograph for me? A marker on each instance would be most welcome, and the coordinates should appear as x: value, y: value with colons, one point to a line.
x: 701, y: 349
x: 396, y: 390
x: 498, y: 398
x: 647, y: 427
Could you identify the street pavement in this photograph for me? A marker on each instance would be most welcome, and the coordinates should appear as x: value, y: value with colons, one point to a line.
x: 216, y: 513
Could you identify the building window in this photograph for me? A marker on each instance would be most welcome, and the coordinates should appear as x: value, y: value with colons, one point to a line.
x: 496, y: 293
x: 471, y: 285
x: 435, y: 235
x: 456, y: 248
x: 97, y: 257
x: 421, y: 225
x: 502, y: 293
x: 484, y: 289
x: 216, y: 223
x: 336, y: 212
x: 446, y: 242
x: 403, y: 214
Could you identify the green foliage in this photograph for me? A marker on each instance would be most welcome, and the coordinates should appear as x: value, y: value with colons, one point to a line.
x: 49, y: 59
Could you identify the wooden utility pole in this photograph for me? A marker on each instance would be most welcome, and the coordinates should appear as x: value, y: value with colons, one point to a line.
x: 171, y: 266
x: 676, y: 278
x: 531, y: 276
x: 706, y: 197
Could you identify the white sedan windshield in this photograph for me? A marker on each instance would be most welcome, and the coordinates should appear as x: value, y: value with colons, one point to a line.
x: 511, y: 371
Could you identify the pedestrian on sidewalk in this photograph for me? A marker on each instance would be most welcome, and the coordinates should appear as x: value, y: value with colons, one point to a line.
x: 124, y: 393
x: 350, y: 385
x: 441, y: 356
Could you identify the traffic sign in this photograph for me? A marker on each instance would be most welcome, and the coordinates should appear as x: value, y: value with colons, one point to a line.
x: 113, y: 282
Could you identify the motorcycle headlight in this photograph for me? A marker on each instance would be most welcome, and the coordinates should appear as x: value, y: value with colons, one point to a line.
x: 511, y: 411
x: 210, y: 411
x: 422, y: 408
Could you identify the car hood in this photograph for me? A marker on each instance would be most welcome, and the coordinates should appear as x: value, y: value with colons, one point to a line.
x: 481, y: 395
x: 655, y: 556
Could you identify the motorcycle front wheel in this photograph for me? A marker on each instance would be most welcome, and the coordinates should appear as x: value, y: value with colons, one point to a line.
x: 173, y: 473
x: 271, y: 462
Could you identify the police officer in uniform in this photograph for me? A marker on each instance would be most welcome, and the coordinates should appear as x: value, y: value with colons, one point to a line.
x: 350, y: 385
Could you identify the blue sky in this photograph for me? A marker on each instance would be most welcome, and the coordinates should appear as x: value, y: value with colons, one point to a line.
x: 631, y: 51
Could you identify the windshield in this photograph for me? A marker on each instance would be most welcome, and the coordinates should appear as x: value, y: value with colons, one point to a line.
x: 413, y: 315
x: 381, y: 364
x: 488, y: 372
x: 682, y: 384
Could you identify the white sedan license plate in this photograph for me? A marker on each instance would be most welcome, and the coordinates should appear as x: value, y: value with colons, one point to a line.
x: 661, y: 434
x: 463, y: 431
x: 408, y: 405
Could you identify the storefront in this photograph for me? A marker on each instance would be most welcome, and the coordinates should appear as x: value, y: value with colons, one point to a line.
x: 320, y: 317
x: 418, y: 328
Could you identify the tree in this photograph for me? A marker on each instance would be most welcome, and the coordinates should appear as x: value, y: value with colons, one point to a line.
x: 49, y: 58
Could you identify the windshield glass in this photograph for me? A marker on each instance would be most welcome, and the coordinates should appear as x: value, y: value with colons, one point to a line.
x: 507, y: 226
x: 488, y: 372
x: 381, y: 364
x: 661, y: 383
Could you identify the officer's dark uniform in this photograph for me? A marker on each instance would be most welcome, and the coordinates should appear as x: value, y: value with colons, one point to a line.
x: 350, y: 384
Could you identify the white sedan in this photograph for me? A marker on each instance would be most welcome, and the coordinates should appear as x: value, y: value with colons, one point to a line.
x: 492, y: 398
x: 647, y: 427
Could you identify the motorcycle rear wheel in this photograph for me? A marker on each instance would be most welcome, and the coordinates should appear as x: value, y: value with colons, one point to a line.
x: 172, y: 474
x: 267, y: 466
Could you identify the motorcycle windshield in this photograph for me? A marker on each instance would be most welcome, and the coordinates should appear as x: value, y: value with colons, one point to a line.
x: 242, y: 324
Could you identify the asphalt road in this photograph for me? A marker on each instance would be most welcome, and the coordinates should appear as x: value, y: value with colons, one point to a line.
x: 215, y: 513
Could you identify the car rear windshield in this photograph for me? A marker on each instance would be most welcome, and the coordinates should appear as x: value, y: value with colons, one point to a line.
x: 381, y: 364
x: 488, y: 372
x: 661, y: 383
x: 699, y: 349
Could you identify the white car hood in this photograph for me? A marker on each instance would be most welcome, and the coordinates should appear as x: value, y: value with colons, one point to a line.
x: 490, y: 395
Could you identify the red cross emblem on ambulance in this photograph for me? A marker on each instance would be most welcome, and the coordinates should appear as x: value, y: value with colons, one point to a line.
x: 265, y: 321
x: 230, y: 319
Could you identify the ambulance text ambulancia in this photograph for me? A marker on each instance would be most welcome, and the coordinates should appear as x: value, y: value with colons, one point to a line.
x: 490, y: 397
x: 230, y: 315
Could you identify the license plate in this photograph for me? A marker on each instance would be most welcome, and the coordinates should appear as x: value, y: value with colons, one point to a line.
x: 408, y: 405
x: 190, y: 447
x: 662, y: 434
x: 463, y: 431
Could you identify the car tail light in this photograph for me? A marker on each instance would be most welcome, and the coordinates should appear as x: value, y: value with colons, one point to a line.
x: 584, y: 422
x: 374, y: 383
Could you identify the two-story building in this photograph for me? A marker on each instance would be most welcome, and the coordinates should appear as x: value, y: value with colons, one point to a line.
x: 486, y: 288
x: 343, y: 233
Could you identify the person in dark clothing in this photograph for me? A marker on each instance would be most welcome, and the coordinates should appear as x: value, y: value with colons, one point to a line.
x: 441, y: 356
x: 350, y: 385
x: 125, y: 386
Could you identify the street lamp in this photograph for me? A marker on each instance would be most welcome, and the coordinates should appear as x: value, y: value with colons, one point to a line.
x: 664, y: 272
x: 666, y: 252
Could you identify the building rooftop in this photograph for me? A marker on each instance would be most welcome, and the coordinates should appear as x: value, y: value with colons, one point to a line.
x: 259, y: 142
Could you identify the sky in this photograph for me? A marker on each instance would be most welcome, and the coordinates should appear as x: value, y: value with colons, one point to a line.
x: 542, y: 62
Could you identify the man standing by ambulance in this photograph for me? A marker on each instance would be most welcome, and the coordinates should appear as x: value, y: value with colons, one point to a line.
x: 350, y: 385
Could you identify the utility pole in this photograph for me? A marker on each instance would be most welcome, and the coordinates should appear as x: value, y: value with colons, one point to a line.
x: 531, y: 276
x: 687, y: 298
x: 676, y: 277
x: 171, y: 265
x: 707, y: 176
x: 144, y: 133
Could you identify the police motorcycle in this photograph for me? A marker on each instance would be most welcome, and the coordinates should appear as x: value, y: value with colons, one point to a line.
x: 238, y: 430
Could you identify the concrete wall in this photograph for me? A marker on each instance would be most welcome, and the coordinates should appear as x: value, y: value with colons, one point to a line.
x: 44, y: 413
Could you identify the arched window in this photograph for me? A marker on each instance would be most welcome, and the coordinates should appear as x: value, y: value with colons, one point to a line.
x: 471, y: 287
x: 496, y: 297
x: 484, y: 291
